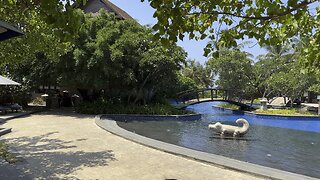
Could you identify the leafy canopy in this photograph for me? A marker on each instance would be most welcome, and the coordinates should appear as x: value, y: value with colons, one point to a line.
x: 234, y: 68
x: 121, y: 58
x: 226, y: 21
x: 60, y: 14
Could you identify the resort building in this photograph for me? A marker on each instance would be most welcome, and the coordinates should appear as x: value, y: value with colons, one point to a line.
x: 94, y: 6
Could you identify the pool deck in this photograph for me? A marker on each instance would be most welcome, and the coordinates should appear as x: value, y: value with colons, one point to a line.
x: 68, y: 145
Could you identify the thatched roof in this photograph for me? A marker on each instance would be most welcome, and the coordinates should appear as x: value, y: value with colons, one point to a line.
x: 93, y: 6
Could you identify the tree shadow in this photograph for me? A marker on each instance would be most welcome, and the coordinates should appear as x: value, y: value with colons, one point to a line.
x: 66, y: 113
x: 45, y: 157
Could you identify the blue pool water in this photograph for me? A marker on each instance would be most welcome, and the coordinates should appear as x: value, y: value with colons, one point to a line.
x: 311, y: 124
x: 291, y: 144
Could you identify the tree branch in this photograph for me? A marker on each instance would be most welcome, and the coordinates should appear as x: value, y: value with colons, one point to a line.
x: 274, y: 16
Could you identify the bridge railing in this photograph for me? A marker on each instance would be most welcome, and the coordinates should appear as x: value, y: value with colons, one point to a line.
x: 194, y: 95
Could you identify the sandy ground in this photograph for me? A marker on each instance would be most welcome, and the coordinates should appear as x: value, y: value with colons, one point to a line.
x: 64, y: 145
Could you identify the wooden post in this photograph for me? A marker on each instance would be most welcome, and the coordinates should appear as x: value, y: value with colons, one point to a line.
x: 211, y: 94
x: 198, y: 96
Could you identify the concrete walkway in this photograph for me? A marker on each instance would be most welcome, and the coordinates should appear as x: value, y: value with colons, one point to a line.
x: 70, y: 146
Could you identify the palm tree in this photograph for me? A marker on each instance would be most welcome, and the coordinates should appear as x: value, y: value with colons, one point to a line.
x: 199, y: 73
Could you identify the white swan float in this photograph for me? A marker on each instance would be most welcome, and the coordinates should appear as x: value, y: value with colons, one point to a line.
x: 228, y: 129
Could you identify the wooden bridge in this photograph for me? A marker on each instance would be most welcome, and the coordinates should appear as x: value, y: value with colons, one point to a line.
x: 196, y: 96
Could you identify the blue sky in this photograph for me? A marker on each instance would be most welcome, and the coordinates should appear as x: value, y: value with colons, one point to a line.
x: 143, y: 12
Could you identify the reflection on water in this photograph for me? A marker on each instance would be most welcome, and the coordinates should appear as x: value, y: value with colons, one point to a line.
x: 289, y: 148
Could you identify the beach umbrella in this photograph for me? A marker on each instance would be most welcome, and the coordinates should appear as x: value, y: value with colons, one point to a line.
x: 8, y: 31
x: 6, y: 82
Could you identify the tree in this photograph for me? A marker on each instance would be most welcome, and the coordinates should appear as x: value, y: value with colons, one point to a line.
x: 282, y: 74
x: 120, y: 58
x: 292, y: 83
x: 225, y: 22
x: 41, y: 35
x: 234, y: 70
x: 31, y: 59
x: 201, y: 75
x: 60, y: 14
x: 278, y: 59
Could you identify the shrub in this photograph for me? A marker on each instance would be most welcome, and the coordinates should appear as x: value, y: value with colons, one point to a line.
x: 290, y: 111
x: 100, y: 107
x: 229, y: 106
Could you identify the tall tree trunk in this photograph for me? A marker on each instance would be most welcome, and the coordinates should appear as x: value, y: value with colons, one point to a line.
x: 140, y: 91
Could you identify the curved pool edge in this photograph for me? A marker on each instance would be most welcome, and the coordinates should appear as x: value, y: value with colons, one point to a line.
x: 307, y: 117
x: 111, y: 126
x: 140, y: 117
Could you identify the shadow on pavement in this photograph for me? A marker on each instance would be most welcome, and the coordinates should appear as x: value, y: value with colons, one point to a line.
x: 44, y: 157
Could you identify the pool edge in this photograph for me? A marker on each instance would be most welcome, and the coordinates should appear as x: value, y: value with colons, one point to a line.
x: 111, y: 126
x: 307, y: 117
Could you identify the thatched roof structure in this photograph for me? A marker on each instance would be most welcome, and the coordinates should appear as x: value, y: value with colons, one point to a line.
x: 93, y: 6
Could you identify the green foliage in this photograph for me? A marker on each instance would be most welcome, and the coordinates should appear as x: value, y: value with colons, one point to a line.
x: 63, y: 19
x: 277, y: 73
x: 121, y: 58
x: 5, y: 154
x: 30, y: 59
x: 287, y: 77
x: 201, y: 75
x: 229, y: 106
x: 101, y: 107
x: 225, y: 22
x: 234, y: 69
x: 288, y: 112
x: 184, y: 83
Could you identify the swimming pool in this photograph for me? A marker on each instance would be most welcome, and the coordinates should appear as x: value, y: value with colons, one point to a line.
x: 291, y: 144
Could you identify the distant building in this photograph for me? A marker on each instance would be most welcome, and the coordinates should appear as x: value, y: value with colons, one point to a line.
x: 94, y: 6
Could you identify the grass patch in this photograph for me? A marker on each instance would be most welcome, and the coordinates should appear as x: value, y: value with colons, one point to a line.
x: 5, y: 154
x: 99, y: 107
x: 289, y: 112
x: 255, y: 101
x: 229, y: 106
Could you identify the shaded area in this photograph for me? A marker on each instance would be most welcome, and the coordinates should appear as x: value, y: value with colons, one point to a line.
x: 47, y: 157
x: 66, y: 112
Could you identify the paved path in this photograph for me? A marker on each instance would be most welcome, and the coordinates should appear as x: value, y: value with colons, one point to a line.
x: 70, y: 146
